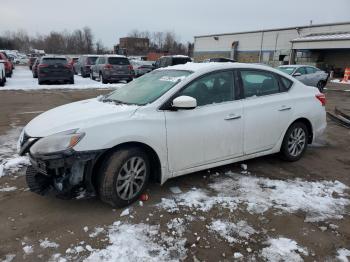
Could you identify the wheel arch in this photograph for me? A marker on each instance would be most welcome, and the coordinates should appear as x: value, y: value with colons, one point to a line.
x: 156, y: 171
x: 308, y: 124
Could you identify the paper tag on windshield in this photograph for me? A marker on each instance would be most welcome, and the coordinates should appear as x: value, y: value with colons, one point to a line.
x: 172, y: 78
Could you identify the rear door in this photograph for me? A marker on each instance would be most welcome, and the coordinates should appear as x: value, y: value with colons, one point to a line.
x: 312, y: 75
x: 267, y: 109
x: 303, y: 77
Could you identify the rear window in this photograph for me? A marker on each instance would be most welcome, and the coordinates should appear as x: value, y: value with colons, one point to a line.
x: 54, y: 61
x: 91, y: 60
x: 118, y: 61
x: 180, y: 60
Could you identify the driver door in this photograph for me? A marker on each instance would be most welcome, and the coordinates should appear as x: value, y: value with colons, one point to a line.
x: 211, y: 132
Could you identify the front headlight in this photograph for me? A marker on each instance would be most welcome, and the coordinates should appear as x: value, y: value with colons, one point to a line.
x: 56, y: 143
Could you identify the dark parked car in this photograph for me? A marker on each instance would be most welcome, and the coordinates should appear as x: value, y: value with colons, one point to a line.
x: 165, y: 61
x: 219, y: 60
x: 55, y: 69
x: 83, y: 66
x: 31, y: 62
x: 35, y: 68
x: 112, y: 68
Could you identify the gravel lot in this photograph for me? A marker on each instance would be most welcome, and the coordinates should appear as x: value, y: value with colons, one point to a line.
x: 262, y: 209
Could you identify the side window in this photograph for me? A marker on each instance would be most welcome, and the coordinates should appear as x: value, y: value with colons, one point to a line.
x: 310, y: 70
x: 287, y: 84
x: 259, y: 83
x: 301, y: 70
x: 211, y: 89
x: 97, y: 61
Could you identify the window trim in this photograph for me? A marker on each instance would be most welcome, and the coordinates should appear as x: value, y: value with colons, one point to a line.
x: 167, y: 104
x: 278, y: 77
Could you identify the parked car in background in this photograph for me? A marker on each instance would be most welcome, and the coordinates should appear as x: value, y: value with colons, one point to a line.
x: 7, y: 63
x: 35, y: 68
x: 309, y: 75
x: 113, y: 145
x: 219, y: 60
x: 2, y: 73
x: 83, y: 65
x: 73, y: 60
x: 31, y: 61
x: 142, y: 67
x: 166, y: 61
x: 55, y: 69
x: 112, y: 68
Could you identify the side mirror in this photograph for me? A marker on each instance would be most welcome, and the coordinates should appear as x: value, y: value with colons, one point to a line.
x: 297, y: 74
x: 184, y: 102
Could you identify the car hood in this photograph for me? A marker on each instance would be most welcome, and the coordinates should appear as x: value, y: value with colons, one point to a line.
x: 77, y: 115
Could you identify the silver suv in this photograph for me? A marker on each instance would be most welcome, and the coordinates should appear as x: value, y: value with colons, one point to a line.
x: 112, y: 68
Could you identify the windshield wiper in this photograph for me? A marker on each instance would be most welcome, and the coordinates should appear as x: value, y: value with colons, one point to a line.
x: 117, y: 102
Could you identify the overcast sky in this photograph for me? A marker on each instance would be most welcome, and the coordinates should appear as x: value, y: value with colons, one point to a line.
x: 111, y: 19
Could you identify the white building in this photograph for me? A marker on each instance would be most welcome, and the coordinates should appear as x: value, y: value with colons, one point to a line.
x: 326, y: 46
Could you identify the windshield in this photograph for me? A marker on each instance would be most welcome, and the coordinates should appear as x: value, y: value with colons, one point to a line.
x: 287, y: 69
x: 148, y: 88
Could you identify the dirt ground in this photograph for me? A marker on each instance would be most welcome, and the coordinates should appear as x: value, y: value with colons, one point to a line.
x: 27, y: 217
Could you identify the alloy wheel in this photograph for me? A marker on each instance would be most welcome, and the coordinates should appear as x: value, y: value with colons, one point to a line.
x: 131, y: 178
x: 296, y: 142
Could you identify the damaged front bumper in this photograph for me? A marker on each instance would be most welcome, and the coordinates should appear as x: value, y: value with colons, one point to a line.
x: 66, y: 174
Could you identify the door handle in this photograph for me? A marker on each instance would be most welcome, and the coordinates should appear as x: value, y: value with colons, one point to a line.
x: 285, y: 108
x: 232, y: 117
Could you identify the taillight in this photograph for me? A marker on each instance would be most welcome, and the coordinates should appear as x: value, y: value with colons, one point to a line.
x: 108, y: 66
x: 321, y: 98
x: 43, y: 65
x: 130, y: 68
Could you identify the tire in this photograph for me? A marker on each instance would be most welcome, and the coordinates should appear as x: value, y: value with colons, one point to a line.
x: 129, y: 80
x: 82, y: 73
x: 103, y: 80
x: 71, y: 81
x: 113, y: 172
x: 291, y: 149
x: 2, y: 82
x: 40, y: 82
x: 92, y: 76
x: 75, y: 72
x: 320, y: 86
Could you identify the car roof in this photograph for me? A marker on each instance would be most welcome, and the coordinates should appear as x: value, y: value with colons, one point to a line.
x: 296, y: 66
x: 53, y: 56
x: 121, y: 56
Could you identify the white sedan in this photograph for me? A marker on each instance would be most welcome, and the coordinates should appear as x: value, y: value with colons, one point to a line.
x: 170, y: 122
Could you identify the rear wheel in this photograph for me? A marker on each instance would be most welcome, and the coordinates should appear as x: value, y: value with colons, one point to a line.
x: 2, y: 81
x: 92, y: 76
x: 123, y: 176
x: 295, y: 142
x: 71, y: 81
x: 82, y: 73
x: 104, y: 81
x: 40, y: 82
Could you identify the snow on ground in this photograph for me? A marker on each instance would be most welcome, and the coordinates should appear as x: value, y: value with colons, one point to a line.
x: 22, y: 79
x: 8, y: 189
x: 232, y: 231
x: 10, y: 161
x: 48, y: 244
x: 283, y: 249
x: 343, y: 255
x: 319, y: 201
x: 139, y: 242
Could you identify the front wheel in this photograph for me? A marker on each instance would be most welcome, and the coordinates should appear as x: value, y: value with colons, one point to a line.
x: 123, y: 176
x: 295, y: 142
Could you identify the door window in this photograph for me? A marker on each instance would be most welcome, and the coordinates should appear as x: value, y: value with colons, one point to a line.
x: 211, y: 89
x: 310, y: 70
x: 259, y: 83
x: 301, y: 70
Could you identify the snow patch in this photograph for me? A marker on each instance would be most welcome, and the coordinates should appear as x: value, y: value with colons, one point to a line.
x: 28, y: 249
x: 343, y: 254
x: 8, y: 189
x: 139, y: 243
x: 283, y: 249
x: 48, y: 244
x: 97, y: 231
x: 231, y: 231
